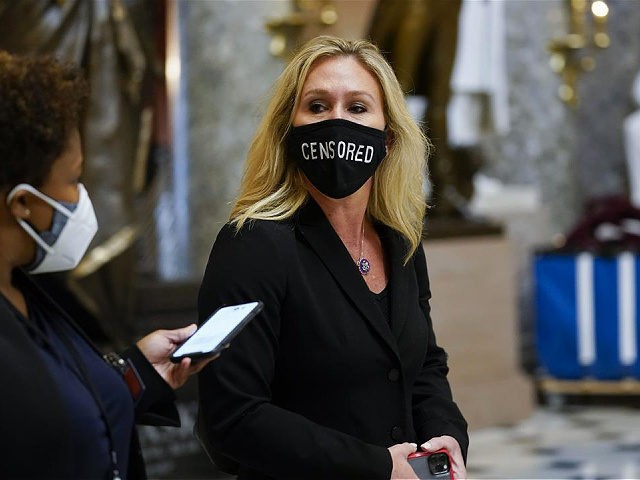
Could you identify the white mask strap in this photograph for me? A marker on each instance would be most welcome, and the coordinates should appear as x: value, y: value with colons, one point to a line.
x: 33, y: 234
x: 25, y: 186
x: 28, y: 228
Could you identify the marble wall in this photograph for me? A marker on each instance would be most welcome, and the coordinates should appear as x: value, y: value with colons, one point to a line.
x: 606, y: 101
x: 570, y: 154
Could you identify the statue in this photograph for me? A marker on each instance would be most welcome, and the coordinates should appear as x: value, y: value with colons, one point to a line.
x: 421, y: 39
x: 100, y: 37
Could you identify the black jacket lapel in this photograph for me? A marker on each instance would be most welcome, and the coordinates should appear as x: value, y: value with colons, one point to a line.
x: 399, y: 276
x: 323, y: 239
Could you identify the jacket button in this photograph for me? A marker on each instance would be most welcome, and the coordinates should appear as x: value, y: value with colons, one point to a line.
x: 393, y: 374
x: 397, y: 434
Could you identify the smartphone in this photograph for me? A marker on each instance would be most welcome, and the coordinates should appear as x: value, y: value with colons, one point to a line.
x: 431, y: 465
x: 217, y: 331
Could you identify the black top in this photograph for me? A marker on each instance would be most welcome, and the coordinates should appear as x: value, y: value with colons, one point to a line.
x: 319, y: 384
x: 383, y: 302
x: 62, y: 349
x: 39, y: 427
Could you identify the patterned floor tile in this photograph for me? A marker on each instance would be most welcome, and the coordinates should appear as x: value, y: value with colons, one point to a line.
x: 569, y: 443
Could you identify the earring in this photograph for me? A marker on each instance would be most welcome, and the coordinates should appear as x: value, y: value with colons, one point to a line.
x: 27, y: 212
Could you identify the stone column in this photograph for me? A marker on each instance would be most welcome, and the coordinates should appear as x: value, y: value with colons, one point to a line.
x: 226, y: 73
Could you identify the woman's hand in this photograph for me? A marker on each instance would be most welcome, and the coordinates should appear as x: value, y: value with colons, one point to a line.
x: 159, y: 345
x: 451, y: 445
x: 401, y: 468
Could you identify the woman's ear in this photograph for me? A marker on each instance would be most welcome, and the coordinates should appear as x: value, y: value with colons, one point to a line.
x: 388, y: 142
x: 18, y: 205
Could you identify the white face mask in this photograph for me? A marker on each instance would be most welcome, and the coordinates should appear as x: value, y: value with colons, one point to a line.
x: 73, y: 239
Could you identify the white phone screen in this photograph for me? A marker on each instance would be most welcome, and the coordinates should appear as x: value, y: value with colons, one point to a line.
x: 217, y: 330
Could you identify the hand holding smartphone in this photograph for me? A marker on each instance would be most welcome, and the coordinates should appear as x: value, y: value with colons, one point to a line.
x: 217, y: 331
x: 431, y: 465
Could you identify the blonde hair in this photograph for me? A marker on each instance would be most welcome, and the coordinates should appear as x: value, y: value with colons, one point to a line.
x: 272, y: 187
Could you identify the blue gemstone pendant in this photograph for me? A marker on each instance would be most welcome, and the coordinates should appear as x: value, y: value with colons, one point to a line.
x: 364, y: 266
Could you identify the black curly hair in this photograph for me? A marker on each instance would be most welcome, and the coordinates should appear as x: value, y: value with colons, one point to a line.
x: 41, y: 101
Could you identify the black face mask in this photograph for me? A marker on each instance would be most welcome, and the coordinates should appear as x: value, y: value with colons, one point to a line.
x: 337, y: 156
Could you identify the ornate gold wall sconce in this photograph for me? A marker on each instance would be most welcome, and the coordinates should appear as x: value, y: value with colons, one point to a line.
x: 571, y: 54
x: 288, y: 31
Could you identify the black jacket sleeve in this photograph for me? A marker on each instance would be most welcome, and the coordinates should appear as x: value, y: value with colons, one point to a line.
x: 238, y: 415
x: 157, y: 405
x: 434, y: 410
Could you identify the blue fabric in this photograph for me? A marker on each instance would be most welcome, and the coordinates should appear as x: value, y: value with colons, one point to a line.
x: 556, y: 315
x: 90, y: 438
x: 556, y: 318
x: 58, y: 221
x: 636, y: 369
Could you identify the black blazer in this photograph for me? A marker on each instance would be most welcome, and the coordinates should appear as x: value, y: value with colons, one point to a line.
x: 35, y: 441
x: 319, y: 385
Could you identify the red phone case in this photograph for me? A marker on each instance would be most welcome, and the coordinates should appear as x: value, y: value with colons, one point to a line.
x: 414, y: 458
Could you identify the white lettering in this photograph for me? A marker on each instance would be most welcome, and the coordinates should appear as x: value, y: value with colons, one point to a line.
x: 368, y: 155
x: 344, y: 151
x: 351, y: 149
x: 324, y: 150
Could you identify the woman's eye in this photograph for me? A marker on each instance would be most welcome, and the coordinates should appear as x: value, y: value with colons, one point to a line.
x: 316, y: 107
x: 357, y: 108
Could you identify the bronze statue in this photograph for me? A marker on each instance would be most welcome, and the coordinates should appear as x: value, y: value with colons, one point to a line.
x: 100, y: 37
x: 420, y: 38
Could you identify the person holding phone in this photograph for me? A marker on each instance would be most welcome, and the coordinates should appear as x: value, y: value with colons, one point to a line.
x: 217, y: 331
x: 340, y: 376
x: 66, y: 410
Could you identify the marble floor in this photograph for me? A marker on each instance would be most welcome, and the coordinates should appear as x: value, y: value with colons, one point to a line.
x: 569, y: 442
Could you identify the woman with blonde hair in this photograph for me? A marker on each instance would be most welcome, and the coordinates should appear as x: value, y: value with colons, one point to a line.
x: 341, y: 375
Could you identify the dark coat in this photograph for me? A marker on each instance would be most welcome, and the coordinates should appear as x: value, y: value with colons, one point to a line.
x: 318, y: 385
x: 35, y: 441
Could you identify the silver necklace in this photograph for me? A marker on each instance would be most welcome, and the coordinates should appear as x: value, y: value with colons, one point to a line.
x: 363, y: 264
